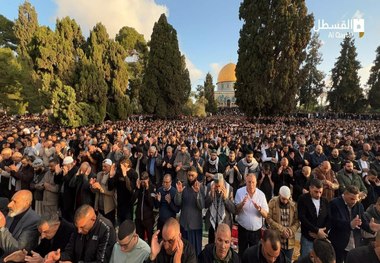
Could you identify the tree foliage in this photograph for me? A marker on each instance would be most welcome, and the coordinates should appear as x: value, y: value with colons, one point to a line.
x: 209, y: 89
x: 312, y: 85
x: 346, y: 95
x: 374, y: 83
x: 271, y: 50
x: 7, y: 36
x: 137, y: 51
x: 25, y: 27
x: 166, y: 83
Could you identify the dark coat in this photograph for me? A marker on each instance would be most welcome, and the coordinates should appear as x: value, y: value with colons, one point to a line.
x: 307, y: 215
x: 340, y: 222
x: 207, y: 255
x: 24, y: 235
x: 96, y: 246
x: 254, y: 254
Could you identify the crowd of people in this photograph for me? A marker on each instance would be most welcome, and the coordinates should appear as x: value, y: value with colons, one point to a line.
x: 146, y: 190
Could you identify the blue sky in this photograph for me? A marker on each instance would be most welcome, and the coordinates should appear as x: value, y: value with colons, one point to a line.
x: 208, y: 30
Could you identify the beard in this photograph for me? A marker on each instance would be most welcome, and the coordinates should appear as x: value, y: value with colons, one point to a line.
x: 14, y: 213
x: 190, y: 183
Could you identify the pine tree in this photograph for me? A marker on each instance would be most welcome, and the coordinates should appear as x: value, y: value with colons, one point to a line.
x: 25, y: 27
x: 137, y: 51
x: 209, y: 89
x: 374, y: 83
x: 346, y: 95
x: 109, y: 56
x: 7, y: 36
x: 271, y: 50
x: 312, y: 86
x: 166, y: 85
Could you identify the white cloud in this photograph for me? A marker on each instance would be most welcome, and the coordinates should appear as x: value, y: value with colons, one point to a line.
x: 114, y: 14
x: 195, y: 73
x: 364, y: 73
x: 215, y: 68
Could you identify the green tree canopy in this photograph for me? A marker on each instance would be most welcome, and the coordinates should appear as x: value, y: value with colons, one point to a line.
x: 374, y: 83
x: 166, y: 81
x: 346, y: 95
x: 271, y: 50
x: 7, y: 35
x: 312, y: 85
x: 209, y: 89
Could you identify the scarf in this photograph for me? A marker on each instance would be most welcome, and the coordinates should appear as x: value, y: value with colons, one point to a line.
x: 249, y: 166
x: 218, y: 260
x: 215, y: 162
x: 217, y: 208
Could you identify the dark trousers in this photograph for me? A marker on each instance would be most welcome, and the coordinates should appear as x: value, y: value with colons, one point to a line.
x: 247, y: 239
x: 211, y: 235
x: 340, y: 255
x: 124, y: 212
x: 110, y: 216
x: 194, y: 237
x: 145, y: 227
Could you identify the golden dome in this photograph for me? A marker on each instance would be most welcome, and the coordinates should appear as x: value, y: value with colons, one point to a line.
x: 227, y: 73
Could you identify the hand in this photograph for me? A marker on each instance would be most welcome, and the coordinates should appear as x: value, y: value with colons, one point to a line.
x: 92, y: 181
x: 285, y: 233
x: 244, y: 200
x: 223, y: 191
x: 236, y: 168
x: 155, y: 246
x: 17, y: 256
x: 306, y: 162
x: 191, y: 163
x: 304, y: 191
x: 356, y: 222
x: 168, y: 198
x: 290, y: 171
x: 158, y: 197
x: 178, y: 253
x: 2, y: 220
x: 374, y: 226
x: 13, y: 168
x: 96, y: 185
x: 197, y: 186
x: 65, y: 170
x: 321, y: 233
x: 362, y: 195
x: 256, y: 205
x: 57, y: 169
x: 280, y: 170
x: 35, y: 258
x: 53, y: 256
x: 123, y: 170
x: 88, y: 171
x: 113, y: 170
x: 179, y: 187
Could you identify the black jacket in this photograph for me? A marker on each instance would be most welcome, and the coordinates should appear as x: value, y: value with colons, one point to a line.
x: 188, y: 255
x: 145, y: 202
x: 254, y: 254
x: 68, y: 195
x: 362, y: 254
x: 340, y: 219
x: 307, y: 215
x: 96, y: 246
x: 60, y: 240
x: 207, y: 255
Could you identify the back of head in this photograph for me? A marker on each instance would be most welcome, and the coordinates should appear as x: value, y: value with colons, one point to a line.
x: 126, y: 228
x: 316, y: 183
x: 273, y: 237
x: 324, y: 250
x: 82, y: 211
x: 171, y: 223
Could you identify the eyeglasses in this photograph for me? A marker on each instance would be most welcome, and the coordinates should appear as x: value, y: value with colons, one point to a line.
x: 125, y: 246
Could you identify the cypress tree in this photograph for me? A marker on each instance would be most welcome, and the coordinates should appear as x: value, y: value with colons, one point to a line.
x: 7, y: 35
x: 312, y: 86
x: 166, y: 83
x: 25, y: 27
x: 271, y: 50
x: 374, y: 83
x: 209, y: 89
x: 346, y: 95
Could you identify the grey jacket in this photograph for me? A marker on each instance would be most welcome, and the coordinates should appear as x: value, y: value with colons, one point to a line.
x: 191, y: 204
x: 25, y: 234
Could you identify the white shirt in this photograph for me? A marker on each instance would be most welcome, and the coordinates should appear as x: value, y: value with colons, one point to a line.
x: 249, y: 217
x: 317, y: 204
